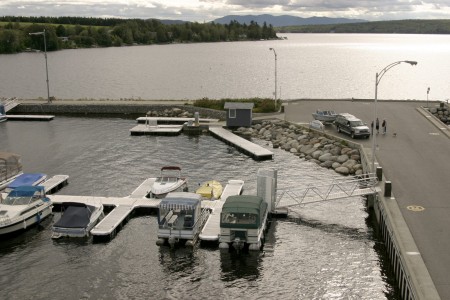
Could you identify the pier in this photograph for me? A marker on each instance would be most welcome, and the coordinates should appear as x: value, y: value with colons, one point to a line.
x: 173, y: 120
x: 30, y: 117
x: 255, y: 151
x: 145, y: 129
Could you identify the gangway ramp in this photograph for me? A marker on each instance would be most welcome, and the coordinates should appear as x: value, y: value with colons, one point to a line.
x: 211, y: 230
x: 9, y: 104
x: 340, y: 188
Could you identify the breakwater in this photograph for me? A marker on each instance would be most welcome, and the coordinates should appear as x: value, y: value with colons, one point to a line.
x: 161, y: 110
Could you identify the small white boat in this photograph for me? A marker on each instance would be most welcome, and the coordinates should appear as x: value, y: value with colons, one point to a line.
x: 170, y: 180
x: 10, y: 168
x: 325, y: 116
x: 211, y: 190
x: 22, y: 208
x: 77, y: 219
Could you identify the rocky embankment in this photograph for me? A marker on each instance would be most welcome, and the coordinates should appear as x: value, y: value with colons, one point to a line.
x: 442, y: 113
x: 309, y: 145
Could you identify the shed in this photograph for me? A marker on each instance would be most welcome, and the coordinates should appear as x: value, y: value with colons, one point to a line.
x: 239, y: 114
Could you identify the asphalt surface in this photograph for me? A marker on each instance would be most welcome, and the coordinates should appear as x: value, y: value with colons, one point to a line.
x: 417, y: 162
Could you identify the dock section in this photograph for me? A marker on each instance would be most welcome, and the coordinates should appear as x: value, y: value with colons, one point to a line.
x: 255, y: 151
x: 168, y: 120
x: 30, y: 117
x: 145, y: 129
x: 211, y: 230
x: 55, y: 183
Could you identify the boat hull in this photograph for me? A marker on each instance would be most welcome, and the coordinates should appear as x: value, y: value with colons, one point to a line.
x: 78, y: 232
x: 25, y: 221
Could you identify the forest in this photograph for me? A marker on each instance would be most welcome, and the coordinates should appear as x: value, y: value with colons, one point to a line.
x: 399, y: 26
x: 81, y: 32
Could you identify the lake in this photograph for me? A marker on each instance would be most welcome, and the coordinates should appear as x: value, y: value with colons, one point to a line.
x: 330, y: 66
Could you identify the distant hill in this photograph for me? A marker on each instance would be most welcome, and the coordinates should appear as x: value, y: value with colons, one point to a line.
x: 397, y: 26
x: 278, y: 21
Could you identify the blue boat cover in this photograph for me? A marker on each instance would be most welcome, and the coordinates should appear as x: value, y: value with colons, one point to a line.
x: 75, y: 215
x: 26, y: 179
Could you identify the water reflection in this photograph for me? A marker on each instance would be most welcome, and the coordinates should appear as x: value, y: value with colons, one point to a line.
x: 239, y: 265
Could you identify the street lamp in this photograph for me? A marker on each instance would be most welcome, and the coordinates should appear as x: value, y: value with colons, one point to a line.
x: 274, y: 52
x: 377, y: 81
x: 428, y: 91
x: 46, y: 65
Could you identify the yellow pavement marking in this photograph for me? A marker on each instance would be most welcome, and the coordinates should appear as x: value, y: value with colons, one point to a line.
x: 415, y: 208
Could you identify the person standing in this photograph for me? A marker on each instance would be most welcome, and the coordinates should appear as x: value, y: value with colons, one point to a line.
x: 377, y: 126
x: 384, y: 125
x: 371, y: 125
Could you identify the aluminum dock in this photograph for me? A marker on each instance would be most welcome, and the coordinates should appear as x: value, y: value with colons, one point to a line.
x: 169, y: 120
x: 255, y: 151
x: 211, y: 230
x: 30, y: 117
x: 145, y: 129
x: 55, y: 183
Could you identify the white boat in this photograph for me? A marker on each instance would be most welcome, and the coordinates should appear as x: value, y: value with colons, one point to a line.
x: 170, y: 180
x: 26, y: 179
x: 180, y: 218
x: 77, y: 219
x: 211, y: 190
x: 325, y: 116
x: 22, y: 208
x: 10, y: 168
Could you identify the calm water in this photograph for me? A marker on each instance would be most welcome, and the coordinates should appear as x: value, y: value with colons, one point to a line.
x: 326, y: 251
x: 308, y: 66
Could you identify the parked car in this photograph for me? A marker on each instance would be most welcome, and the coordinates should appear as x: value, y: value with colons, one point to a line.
x: 351, y: 125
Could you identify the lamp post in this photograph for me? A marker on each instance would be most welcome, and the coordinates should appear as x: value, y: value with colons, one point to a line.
x: 274, y: 52
x: 428, y: 91
x: 377, y: 81
x: 46, y: 65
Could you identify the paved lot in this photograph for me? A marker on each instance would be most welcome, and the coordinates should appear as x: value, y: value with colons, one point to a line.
x: 417, y: 161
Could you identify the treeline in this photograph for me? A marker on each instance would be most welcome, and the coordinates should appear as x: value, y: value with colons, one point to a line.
x: 401, y: 26
x: 15, y: 37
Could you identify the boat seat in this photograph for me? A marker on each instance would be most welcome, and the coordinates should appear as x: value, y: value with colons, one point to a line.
x: 188, y: 221
x: 172, y: 220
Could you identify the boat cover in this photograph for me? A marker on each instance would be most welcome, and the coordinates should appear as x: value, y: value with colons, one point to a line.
x: 244, y: 204
x: 76, y: 215
x: 25, y: 191
x: 26, y: 179
x: 180, y: 200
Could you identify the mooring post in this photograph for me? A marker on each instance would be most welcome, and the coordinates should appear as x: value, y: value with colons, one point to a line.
x: 379, y: 173
x: 387, y: 189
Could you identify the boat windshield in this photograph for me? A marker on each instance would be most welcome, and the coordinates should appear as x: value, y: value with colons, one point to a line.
x: 239, y: 218
x: 11, y: 200
x: 166, y: 179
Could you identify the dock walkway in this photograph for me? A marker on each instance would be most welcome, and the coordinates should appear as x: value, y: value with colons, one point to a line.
x: 144, y: 129
x: 255, y: 151
x: 174, y: 120
x: 211, y: 230
x: 30, y: 117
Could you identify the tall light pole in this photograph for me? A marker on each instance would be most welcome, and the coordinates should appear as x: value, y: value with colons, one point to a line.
x: 46, y: 65
x: 428, y: 91
x: 377, y: 81
x: 274, y: 52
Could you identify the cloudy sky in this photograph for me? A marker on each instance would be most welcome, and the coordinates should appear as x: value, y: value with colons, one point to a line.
x: 208, y: 10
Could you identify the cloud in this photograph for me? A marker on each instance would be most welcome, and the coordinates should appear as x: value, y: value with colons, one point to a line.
x: 207, y: 10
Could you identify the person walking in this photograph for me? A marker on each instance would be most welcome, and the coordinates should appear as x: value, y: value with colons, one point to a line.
x: 384, y: 125
x: 371, y: 126
x: 377, y: 126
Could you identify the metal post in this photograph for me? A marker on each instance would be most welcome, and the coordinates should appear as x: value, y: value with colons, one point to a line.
x: 377, y: 81
x: 428, y: 91
x: 46, y: 68
x: 274, y: 52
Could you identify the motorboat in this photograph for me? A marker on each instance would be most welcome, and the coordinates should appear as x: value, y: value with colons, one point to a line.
x: 26, y: 179
x: 170, y: 180
x: 23, y: 207
x: 180, y: 219
x: 77, y: 219
x: 325, y: 116
x: 243, y: 222
x: 10, y: 168
x: 211, y: 190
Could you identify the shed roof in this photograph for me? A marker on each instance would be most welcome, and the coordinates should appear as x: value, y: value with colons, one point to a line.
x: 238, y: 105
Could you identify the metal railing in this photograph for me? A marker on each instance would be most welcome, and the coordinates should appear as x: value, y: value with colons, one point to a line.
x: 338, y: 188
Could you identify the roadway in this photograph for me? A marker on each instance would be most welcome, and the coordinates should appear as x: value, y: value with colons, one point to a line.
x: 416, y: 161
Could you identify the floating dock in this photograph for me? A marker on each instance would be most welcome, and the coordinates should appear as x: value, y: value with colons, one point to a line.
x: 55, y: 183
x: 30, y: 117
x: 255, y: 151
x: 211, y: 230
x: 168, y: 120
x: 144, y: 129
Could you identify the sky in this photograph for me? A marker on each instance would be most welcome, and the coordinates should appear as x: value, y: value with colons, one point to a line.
x: 209, y: 10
